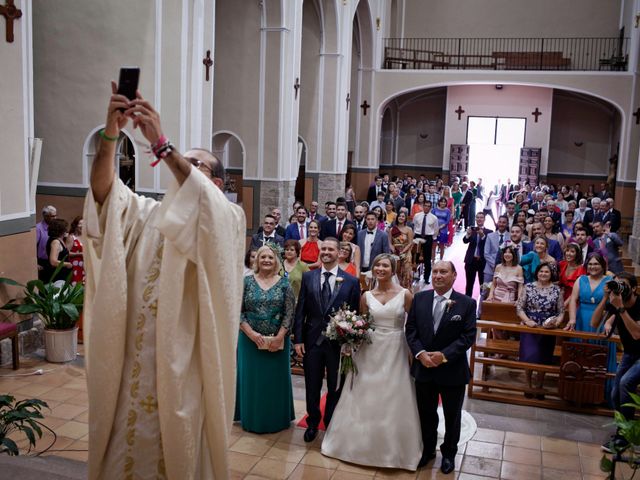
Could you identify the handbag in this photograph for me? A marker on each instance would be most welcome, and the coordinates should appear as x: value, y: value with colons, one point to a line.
x: 267, y: 341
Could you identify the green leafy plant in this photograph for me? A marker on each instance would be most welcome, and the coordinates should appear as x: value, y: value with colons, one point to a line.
x: 58, y: 306
x: 19, y: 416
x: 630, y: 431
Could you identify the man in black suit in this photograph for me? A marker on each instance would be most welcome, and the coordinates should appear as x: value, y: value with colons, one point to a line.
x: 440, y: 328
x: 333, y: 227
x: 358, y: 217
x: 268, y: 234
x: 277, y: 214
x: 612, y: 216
x: 474, y: 261
x: 372, y: 193
x: 322, y: 291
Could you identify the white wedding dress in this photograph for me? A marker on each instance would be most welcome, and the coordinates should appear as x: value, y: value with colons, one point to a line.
x: 376, y: 422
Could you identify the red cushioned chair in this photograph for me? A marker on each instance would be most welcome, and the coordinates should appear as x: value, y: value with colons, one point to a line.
x: 10, y: 330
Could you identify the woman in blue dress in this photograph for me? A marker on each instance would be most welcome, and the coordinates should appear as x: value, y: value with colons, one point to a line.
x: 443, y: 213
x: 264, y: 397
x: 587, y: 294
x: 539, y: 254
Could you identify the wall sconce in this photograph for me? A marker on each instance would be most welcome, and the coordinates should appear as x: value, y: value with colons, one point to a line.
x: 499, y: 86
x: 423, y: 135
x: 578, y: 143
x: 377, y: 23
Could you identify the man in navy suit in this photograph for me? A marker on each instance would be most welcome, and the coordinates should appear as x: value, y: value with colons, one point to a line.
x: 372, y: 242
x: 297, y: 230
x: 375, y: 189
x: 333, y: 227
x: 440, y: 328
x: 322, y: 291
x: 474, y: 261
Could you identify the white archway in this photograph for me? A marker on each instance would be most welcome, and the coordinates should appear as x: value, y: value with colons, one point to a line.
x: 229, y: 147
x: 90, y: 150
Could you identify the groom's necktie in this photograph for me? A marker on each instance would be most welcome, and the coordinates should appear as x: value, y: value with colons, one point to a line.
x: 438, y: 310
x: 325, y: 293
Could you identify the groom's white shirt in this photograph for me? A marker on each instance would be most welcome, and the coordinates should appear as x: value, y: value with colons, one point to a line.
x: 446, y: 295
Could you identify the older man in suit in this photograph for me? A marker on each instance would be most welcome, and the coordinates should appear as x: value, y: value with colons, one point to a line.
x: 612, y: 216
x: 372, y: 242
x: 440, y: 328
x: 268, y: 234
x: 322, y: 291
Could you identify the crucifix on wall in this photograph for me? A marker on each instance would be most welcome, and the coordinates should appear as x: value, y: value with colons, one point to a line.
x: 348, y: 100
x: 365, y: 106
x: 637, y: 115
x: 459, y: 111
x: 10, y: 13
x: 536, y: 113
x: 296, y: 86
x: 208, y: 63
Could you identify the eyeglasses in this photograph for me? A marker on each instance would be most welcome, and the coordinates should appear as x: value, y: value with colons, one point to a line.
x: 200, y: 165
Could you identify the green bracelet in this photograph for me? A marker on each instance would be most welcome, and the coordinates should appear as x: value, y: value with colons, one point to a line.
x: 107, y: 137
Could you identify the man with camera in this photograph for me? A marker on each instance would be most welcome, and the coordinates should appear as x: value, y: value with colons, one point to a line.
x: 620, y: 309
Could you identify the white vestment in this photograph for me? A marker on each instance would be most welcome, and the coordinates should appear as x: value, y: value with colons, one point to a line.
x: 162, y: 309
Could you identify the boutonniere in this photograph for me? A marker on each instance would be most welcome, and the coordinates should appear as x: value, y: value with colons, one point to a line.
x: 449, y: 305
x: 339, y: 280
x: 456, y: 318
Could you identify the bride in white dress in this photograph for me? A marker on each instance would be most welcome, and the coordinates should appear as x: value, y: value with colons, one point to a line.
x: 376, y: 422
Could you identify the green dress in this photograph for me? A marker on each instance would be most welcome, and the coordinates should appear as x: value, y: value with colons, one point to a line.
x: 264, y: 397
x: 295, y: 276
x: 457, y: 198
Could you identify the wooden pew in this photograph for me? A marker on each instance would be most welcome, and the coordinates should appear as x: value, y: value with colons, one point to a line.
x: 502, y: 316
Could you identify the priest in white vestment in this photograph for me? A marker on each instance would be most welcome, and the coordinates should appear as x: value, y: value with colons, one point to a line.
x: 162, y: 309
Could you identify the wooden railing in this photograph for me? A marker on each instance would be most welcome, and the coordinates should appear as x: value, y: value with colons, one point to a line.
x: 603, y: 53
x: 489, y: 352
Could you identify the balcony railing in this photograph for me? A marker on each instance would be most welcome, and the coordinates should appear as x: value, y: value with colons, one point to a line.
x: 608, y: 53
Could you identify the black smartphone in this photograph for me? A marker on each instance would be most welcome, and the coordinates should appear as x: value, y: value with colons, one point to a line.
x: 128, y: 82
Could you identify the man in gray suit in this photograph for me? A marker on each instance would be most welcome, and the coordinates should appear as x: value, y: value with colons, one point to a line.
x: 372, y: 242
x: 607, y: 243
x: 493, y: 243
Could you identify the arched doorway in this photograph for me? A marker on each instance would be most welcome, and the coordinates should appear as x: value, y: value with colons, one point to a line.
x: 125, y: 160
x: 230, y: 149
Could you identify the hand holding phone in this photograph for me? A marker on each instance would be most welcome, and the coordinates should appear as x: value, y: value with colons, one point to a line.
x: 128, y: 82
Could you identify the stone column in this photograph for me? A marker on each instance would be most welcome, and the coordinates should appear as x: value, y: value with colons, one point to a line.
x: 276, y: 193
x: 330, y: 187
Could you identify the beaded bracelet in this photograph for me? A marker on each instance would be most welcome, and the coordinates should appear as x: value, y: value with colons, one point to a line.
x: 163, y: 151
x: 107, y: 137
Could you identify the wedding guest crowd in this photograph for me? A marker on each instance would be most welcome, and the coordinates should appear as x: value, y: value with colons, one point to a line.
x: 551, y: 254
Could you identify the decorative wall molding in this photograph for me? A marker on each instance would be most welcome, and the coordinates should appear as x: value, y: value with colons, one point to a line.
x: 17, y: 225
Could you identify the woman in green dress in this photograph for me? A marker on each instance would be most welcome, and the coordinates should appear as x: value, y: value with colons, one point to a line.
x: 264, y: 398
x: 293, y: 267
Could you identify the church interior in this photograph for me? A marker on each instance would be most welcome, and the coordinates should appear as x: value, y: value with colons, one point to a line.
x: 299, y: 99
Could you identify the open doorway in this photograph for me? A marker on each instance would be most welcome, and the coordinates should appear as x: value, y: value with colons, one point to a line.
x: 494, y: 149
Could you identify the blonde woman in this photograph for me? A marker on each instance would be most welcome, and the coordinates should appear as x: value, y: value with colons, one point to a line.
x: 264, y: 398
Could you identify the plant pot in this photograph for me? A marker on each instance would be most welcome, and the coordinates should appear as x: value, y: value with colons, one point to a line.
x: 61, y: 345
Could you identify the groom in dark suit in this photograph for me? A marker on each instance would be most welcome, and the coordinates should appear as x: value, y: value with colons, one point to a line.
x: 322, y: 291
x: 440, y: 328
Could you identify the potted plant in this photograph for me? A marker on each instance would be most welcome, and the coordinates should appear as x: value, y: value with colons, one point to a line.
x: 630, y: 431
x: 58, y: 304
x: 21, y: 417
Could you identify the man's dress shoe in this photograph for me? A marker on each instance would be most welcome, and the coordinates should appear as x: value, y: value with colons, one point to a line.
x: 310, y: 434
x: 426, y: 458
x: 447, y: 466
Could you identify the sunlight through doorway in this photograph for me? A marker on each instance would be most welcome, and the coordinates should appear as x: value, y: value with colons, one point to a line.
x: 494, y: 149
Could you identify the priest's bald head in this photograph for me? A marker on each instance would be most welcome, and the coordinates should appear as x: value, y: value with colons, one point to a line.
x: 208, y: 163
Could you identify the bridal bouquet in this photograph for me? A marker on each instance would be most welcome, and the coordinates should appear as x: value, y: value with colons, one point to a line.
x: 350, y: 330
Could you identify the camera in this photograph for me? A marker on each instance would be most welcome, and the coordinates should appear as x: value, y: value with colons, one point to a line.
x: 619, y: 288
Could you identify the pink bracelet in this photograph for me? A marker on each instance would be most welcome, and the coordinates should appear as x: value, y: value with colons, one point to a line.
x: 158, y: 143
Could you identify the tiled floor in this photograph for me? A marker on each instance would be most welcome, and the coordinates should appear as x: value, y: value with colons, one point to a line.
x: 522, y: 452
